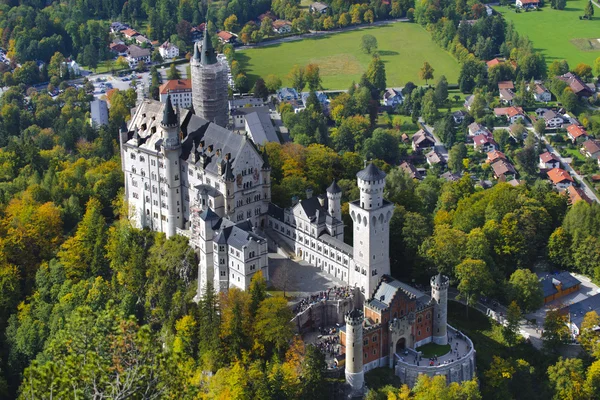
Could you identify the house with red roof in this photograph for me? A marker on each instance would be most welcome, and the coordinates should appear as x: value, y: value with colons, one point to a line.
x: 494, y: 156
x: 484, y: 143
x: 527, y: 3
x: 576, y: 194
x: 130, y: 33
x: 560, y: 178
x: 511, y: 113
x: 591, y: 148
x: 576, y: 132
x: 576, y: 84
x: 493, y: 62
x: 226, y: 37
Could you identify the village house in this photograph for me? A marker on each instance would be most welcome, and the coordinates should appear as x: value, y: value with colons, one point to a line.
x: 318, y: 7
x: 117, y: 27
x: 549, y: 161
x: 494, y: 156
x: 449, y: 176
x: 411, y: 170
x: 179, y: 90
x: 260, y: 129
x: 527, y: 3
x: 119, y: 49
x: 321, y: 96
x: 507, y: 96
x: 98, y: 113
x: 238, y: 115
x: 484, y: 143
x: 506, y: 85
x: 591, y: 148
x: 576, y: 312
x: 552, y: 119
x: 197, y: 32
x: 392, y: 98
x: 282, y: 26
x: 540, y: 93
x: 558, y: 285
x: 168, y: 50
x: 422, y: 140
x: 226, y: 37
x: 434, y: 158
x: 504, y: 170
x: 576, y: 132
x: 141, y: 40
x: 245, y: 102
x: 130, y: 33
x: 511, y: 113
x: 493, y: 62
x: 287, y: 94
x: 560, y: 178
x: 576, y: 194
x: 459, y: 116
x: 576, y: 84
x: 476, y: 129
x: 136, y: 54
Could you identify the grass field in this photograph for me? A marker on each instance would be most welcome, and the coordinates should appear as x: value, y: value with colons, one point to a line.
x: 402, y: 46
x: 559, y: 34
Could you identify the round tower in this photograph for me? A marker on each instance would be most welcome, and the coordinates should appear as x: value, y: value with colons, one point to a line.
x: 334, y: 201
x: 354, y: 350
x: 171, y: 202
x: 209, y: 83
x: 439, y: 293
x: 371, y: 182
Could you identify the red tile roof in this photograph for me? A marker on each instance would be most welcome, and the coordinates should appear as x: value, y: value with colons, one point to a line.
x: 225, y: 35
x: 547, y: 157
x: 591, y: 146
x: 576, y: 131
x: 130, y: 32
x: 495, y: 155
x: 506, y: 85
x: 175, y: 85
x: 576, y: 194
x: 558, y: 175
x: 495, y: 61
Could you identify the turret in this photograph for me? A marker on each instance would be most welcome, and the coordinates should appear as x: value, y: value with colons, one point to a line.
x: 354, y: 350
x: 170, y: 126
x: 439, y: 293
x: 334, y: 201
x: 371, y: 182
x: 171, y: 214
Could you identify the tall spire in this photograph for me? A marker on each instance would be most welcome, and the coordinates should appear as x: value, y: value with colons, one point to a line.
x: 169, y: 117
x: 208, y: 52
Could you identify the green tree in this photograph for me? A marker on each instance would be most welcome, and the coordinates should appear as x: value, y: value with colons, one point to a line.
x: 540, y: 126
x: 597, y: 66
x: 376, y: 73
x: 173, y: 72
x: 258, y: 291
x: 588, y: 337
x: 429, y: 110
x: 260, y: 89
x: 296, y: 76
x: 474, y: 280
x: 273, y: 83
x: 368, y: 43
x: 513, y: 318
x: 312, y: 76
x: 558, y: 68
x: 230, y: 23
x: 83, y: 254
x: 441, y: 91
x: 426, y: 72
x: 272, y: 328
x: 456, y: 155
x: 556, y: 331
x: 313, y: 374
x: 524, y: 288
x: 567, y: 377
x: 589, y: 10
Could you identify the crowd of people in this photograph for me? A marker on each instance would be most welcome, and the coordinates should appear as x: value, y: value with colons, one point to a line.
x: 334, y: 293
x: 329, y: 342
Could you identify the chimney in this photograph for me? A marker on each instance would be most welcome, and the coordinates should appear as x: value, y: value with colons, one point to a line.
x: 309, y: 193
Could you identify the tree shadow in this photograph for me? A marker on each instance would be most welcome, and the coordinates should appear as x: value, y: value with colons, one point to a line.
x: 387, y: 53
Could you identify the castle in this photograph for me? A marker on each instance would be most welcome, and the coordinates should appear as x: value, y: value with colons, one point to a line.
x: 186, y: 174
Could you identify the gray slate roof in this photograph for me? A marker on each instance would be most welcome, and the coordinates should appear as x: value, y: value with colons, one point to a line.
x: 371, y: 173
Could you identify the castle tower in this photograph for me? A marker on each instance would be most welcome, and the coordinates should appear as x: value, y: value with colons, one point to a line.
x: 371, y: 216
x: 202, y: 238
x: 354, y: 350
x: 439, y: 293
x: 334, y: 201
x: 171, y: 201
x: 209, y: 84
x: 266, y: 180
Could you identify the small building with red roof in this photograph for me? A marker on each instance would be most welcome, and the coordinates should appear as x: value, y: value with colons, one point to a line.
x: 576, y: 132
x: 560, y: 178
x: 549, y: 161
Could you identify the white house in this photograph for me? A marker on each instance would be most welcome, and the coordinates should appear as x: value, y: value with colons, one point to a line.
x: 527, y: 3
x: 591, y: 148
x: 476, y: 129
x: 484, y: 143
x: 168, y: 50
x: 552, y: 119
x: 549, y: 161
x: 282, y: 26
x: 74, y: 68
x: 459, y: 116
x: 540, y: 93
x: 318, y: 7
x: 560, y: 178
x: 392, y: 98
x: 507, y: 96
x: 511, y: 113
x: 287, y: 94
x: 136, y: 54
x: 180, y: 91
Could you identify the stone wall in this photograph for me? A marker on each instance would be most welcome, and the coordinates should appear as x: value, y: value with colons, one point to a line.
x: 326, y: 313
x: 458, y: 371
